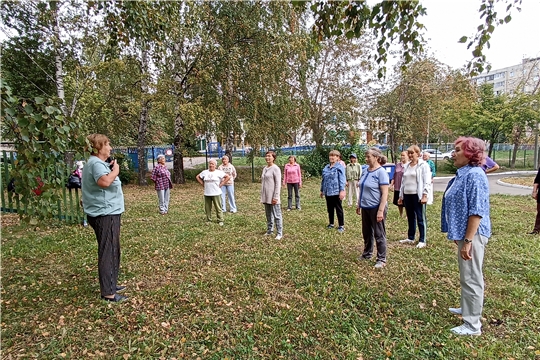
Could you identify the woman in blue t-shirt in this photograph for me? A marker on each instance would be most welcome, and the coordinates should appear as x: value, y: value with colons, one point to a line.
x: 103, y: 204
x: 372, y: 206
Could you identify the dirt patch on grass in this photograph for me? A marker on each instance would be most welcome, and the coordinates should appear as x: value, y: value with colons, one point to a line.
x: 9, y: 220
x: 525, y: 181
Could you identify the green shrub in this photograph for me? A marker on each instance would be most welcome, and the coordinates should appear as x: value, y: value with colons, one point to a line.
x: 127, y: 171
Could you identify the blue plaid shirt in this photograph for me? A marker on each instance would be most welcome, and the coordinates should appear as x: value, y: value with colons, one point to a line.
x: 466, y: 195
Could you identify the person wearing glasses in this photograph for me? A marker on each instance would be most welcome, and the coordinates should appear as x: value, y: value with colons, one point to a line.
x: 413, y: 194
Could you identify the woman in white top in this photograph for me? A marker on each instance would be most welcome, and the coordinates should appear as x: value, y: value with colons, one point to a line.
x: 413, y: 194
x: 212, y: 180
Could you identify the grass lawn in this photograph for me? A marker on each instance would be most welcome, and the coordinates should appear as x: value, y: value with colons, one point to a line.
x: 210, y: 292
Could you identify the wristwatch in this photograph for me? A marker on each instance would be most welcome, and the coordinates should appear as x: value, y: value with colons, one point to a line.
x: 467, y: 241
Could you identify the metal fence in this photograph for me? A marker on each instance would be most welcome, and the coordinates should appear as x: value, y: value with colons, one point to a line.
x: 67, y: 209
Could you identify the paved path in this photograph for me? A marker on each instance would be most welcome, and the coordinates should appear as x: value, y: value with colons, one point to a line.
x: 495, y: 185
x: 189, y: 163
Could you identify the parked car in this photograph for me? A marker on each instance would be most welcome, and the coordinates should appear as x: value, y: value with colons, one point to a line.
x: 433, y: 152
x: 447, y: 155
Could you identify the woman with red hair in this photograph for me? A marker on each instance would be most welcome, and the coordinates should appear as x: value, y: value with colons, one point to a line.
x: 465, y: 219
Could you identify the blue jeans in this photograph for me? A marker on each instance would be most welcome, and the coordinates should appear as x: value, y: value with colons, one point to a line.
x: 228, y: 190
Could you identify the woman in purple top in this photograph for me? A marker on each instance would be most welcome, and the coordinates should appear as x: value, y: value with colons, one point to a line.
x: 292, y: 176
x: 163, y: 184
x: 395, y: 184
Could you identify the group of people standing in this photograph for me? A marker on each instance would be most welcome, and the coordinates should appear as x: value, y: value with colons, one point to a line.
x: 465, y: 215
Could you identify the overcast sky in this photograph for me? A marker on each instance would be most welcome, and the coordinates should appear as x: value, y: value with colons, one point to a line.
x: 447, y: 21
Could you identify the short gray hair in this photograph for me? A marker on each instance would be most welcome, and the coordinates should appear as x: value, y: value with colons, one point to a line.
x: 160, y: 156
x: 212, y: 161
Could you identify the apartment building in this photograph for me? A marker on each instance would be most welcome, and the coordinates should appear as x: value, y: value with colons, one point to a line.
x: 521, y: 77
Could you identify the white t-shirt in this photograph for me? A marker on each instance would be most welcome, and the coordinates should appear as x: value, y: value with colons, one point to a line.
x: 409, y: 180
x: 211, y: 181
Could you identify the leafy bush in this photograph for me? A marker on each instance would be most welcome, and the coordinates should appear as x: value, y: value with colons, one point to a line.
x: 448, y: 167
x: 127, y: 171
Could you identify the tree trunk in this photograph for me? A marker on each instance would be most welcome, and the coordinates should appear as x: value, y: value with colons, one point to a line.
x: 178, y: 159
x: 59, y: 73
x: 143, y: 118
x: 518, y: 130
x: 229, y: 145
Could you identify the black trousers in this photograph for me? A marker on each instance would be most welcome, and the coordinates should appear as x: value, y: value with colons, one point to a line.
x: 333, y: 203
x: 374, y: 232
x: 107, y: 230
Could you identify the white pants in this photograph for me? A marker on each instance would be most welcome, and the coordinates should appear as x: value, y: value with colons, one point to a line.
x: 163, y: 200
x: 472, y: 282
x: 353, y: 187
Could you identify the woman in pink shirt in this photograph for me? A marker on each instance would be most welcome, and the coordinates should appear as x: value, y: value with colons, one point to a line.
x: 292, y: 176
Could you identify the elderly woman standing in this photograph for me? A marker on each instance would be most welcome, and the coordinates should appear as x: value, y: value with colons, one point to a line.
x: 353, y: 172
x: 372, y: 205
x: 292, y: 176
x: 333, y: 189
x: 103, y: 204
x: 163, y: 184
x: 227, y: 190
x: 413, y: 194
x: 270, y: 195
x: 465, y: 217
x: 212, y: 180
x: 426, y: 157
x: 395, y: 184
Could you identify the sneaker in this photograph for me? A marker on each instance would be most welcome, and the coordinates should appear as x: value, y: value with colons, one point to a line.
x: 465, y: 330
x: 279, y: 237
x: 341, y: 229
x: 361, y: 258
x: 221, y: 223
x: 406, y: 241
x: 268, y: 233
x: 298, y: 208
x: 380, y: 265
x: 534, y: 232
x: 234, y: 211
x: 421, y: 245
x: 120, y: 288
x: 331, y: 226
x: 455, y: 311
x: 289, y: 209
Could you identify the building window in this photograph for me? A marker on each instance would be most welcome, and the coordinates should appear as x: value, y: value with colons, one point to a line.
x: 499, y: 84
x: 511, y: 74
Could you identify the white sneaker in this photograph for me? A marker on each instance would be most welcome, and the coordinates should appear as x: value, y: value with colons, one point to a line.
x: 221, y: 224
x: 279, y: 237
x: 465, y: 330
x: 379, y: 265
x: 421, y: 245
x: 406, y: 241
x: 455, y: 311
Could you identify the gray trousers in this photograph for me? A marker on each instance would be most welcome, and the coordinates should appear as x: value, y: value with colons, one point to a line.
x: 472, y: 282
x: 273, y: 213
x: 296, y: 188
x: 374, y: 232
x: 107, y: 230
x: 163, y: 200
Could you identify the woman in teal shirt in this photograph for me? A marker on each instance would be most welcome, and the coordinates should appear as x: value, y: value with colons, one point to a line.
x: 103, y: 204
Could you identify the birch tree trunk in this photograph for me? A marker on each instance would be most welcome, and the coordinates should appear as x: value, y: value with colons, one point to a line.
x: 143, y: 118
x: 58, y: 63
